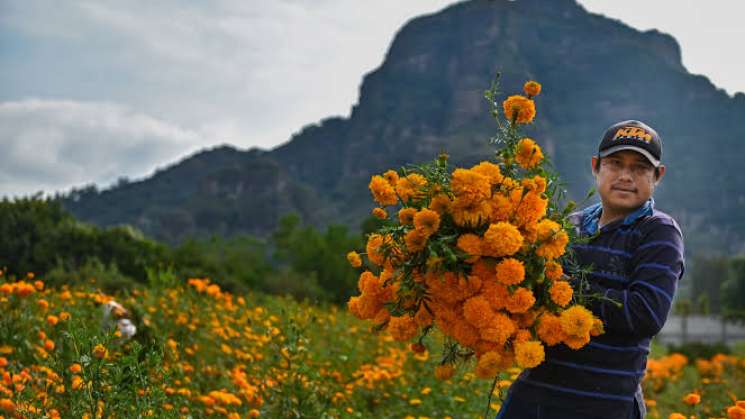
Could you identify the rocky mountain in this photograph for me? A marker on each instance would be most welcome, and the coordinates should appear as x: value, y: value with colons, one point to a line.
x: 427, y: 97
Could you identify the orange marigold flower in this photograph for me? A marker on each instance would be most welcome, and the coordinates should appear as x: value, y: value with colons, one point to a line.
x: 553, y: 247
x: 402, y: 328
x: 43, y: 304
x: 553, y: 270
x: 495, y: 293
x: 64, y: 316
x: 677, y: 416
x: 426, y: 222
x: 354, y: 259
x: 478, y: 312
x: 49, y: 345
x: 547, y: 228
x: 100, y: 351
x: 692, y: 399
x: 23, y: 289
x: 519, y: 108
x: 529, y: 354
x: 39, y: 285
x: 490, y: 170
x: 75, y: 368
x: 740, y: 403
x: 415, y: 241
x: 736, y: 412
x: 532, y: 88
x: 406, y: 215
x: 488, y: 365
x: 382, y: 191
x: 391, y: 176
x: 576, y: 321
x: 576, y: 342
x: 561, y: 293
x: 6, y: 288
x: 468, y: 213
x: 353, y: 305
x: 410, y: 187
x: 499, y: 330
x: 510, y: 271
x: 368, y: 283
x: 532, y: 207
x: 8, y: 406
x: 382, y: 316
x: 444, y: 372
x: 501, y: 208
x: 3, y: 362
x: 520, y: 301
x: 374, y: 249
x: 554, y: 239
x: 77, y: 382
x: 538, y: 184
x: 464, y: 333
x: 379, y: 213
x: 52, y: 320
x: 522, y: 335
x: 528, y: 154
x: 470, y: 186
x: 502, y: 239
x: 441, y: 204
x: 549, y: 329
x: 471, y: 244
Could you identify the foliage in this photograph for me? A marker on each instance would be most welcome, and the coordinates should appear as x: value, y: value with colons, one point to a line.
x: 733, y: 290
x: 39, y: 234
x: 699, y: 350
x: 317, y: 255
x: 200, y: 351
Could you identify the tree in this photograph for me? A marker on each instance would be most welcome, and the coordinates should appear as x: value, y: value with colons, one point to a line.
x: 320, y: 255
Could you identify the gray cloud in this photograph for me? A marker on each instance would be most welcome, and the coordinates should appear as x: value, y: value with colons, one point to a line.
x: 248, y: 73
x: 230, y: 71
x: 51, y: 145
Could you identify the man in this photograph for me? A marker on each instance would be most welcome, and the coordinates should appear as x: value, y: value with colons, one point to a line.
x: 636, y: 258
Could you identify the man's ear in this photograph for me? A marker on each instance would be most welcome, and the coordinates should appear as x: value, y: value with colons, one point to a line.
x: 594, y: 165
x: 660, y: 173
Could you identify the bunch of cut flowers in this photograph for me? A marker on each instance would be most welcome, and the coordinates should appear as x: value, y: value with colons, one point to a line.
x: 476, y: 253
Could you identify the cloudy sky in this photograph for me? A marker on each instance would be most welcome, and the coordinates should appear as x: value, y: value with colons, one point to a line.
x: 92, y: 90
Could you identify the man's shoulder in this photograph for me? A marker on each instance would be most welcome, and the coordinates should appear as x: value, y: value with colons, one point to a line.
x: 656, y: 221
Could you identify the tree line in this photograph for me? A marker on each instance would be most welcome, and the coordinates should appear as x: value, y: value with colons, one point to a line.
x: 38, y: 235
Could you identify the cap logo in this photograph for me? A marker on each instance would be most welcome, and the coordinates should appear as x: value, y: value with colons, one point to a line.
x: 633, y: 133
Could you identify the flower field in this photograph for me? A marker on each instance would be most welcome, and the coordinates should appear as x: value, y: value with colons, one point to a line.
x: 202, y: 352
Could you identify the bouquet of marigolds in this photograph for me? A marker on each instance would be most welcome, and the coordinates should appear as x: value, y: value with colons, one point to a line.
x: 475, y: 253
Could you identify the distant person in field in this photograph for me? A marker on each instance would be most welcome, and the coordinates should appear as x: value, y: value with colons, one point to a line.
x: 636, y: 256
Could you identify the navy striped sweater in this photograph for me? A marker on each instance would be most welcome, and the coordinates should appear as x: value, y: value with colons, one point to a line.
x: 637, y: 261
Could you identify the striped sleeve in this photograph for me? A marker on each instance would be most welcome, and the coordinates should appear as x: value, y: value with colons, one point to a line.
x: 645, y: 304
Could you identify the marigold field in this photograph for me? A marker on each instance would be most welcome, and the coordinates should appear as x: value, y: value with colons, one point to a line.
x: 203, y: 352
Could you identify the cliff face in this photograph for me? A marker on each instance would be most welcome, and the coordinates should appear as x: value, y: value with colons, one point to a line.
x: 427, y: 97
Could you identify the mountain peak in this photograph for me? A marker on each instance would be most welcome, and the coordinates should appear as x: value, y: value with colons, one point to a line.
x: 427, y: 97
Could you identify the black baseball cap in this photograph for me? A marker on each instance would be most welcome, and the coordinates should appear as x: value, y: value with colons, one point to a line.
x: 632, y: 135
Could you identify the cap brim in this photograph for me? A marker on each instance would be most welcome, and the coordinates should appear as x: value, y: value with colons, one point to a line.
x: 643, y: 152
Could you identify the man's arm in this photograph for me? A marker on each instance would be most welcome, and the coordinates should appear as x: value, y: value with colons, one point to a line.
x: 658, y: 265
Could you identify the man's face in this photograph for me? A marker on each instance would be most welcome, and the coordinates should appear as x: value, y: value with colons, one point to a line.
x: 625, y: 180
